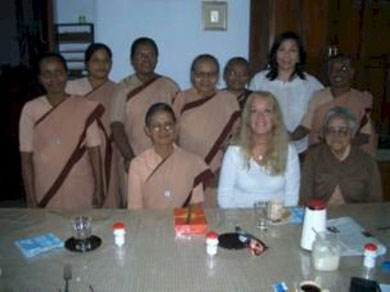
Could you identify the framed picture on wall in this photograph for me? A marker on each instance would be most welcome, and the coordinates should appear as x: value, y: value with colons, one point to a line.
x: 214, y: 15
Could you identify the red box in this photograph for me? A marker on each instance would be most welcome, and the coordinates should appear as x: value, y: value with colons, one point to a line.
x: 197, y: 223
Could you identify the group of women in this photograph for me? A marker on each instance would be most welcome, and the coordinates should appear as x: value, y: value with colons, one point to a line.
x: 164, y: 148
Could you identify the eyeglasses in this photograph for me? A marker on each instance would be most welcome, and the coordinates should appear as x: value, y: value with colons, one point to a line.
x: 342, y: 132
x: 167, y: 127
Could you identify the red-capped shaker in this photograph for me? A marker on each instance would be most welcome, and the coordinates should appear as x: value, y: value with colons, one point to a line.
x: 119, y: 233
x: 212, y: 243
x: 370, y: 254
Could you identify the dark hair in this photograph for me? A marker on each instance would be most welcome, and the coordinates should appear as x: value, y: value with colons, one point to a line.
x: 96, y: 47
x: 50, y: 55
x: 202, y: 58
x: 158, y: 108
x: 143, y: 41
x: 233, y: 61
x: 272, y: 62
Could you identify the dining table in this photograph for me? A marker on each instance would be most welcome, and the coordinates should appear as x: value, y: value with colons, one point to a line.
x: 154, y: 258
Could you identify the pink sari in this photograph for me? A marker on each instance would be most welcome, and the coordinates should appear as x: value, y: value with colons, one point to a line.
x: 176, y: 181
x: 110, y: 154
x: 139, y: 99
x: 206, y: 126
x: 63, y: 174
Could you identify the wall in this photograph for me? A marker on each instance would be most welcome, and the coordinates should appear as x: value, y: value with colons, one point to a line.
x: 176, y: 26
x: 68, y: 11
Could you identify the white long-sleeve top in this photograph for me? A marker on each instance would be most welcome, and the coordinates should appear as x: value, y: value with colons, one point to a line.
x: 240, y: 186
x: 293, y: 97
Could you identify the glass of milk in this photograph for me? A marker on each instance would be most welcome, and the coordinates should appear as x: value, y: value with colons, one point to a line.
x: 326, y: 252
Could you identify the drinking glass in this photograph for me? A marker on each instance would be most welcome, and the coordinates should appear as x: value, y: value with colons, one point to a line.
x: 260, y: 212
x: 81, y: 228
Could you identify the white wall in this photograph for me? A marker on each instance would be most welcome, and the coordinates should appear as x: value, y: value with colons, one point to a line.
x: 68, y: 11
x: 176, y: 26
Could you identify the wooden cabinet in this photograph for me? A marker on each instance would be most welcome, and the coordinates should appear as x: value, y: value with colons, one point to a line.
x: 360, y: 29
x: 71, y: 41
x: 308, y: 18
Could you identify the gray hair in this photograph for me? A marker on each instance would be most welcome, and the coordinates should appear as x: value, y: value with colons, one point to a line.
x: 343, y: 112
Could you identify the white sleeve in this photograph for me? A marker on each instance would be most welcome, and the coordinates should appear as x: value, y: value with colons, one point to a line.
x: 292, y: 175
x: 227, y: 180
x: 317, y: 85
x: 254, y: 84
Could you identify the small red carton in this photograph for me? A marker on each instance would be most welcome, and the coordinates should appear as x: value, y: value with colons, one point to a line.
x: 190, y: 220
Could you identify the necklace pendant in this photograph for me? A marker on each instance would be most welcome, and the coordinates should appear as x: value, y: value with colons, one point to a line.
x: 167, y: 193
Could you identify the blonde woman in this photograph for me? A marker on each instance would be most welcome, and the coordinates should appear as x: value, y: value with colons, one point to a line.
x: 260, y: 165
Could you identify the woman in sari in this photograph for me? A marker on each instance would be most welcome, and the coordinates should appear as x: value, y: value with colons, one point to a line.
x: 260, y: 165
x: 207, y: 117
x: 97, y: 86
x: 135, y: 94
x: 338, y: 171
x: 165, y: 176
x: 60, y: 144
x: 236, y: 76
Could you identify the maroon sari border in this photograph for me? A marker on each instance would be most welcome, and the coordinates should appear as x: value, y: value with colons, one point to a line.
x: 222, y: 137
x: 76, y: 155
x: 158, y: 167
x: 107, y: 154
x: 48, y: 113
x: 96, y: 88
x: 241, y: 99
x: 203, y: 177
x: 196, y: 103
x: 138, y: 89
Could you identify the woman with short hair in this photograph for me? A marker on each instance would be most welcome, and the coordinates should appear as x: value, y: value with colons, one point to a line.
x: 207, y: 117
x: 165, y: 176
x: 97, y: 86
x: 60, y: 144
x: 338, y: 171
x: 236, y: 75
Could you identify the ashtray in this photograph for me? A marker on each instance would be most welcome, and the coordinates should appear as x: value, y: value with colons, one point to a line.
x: 90, y: 243
x: 230, y: 241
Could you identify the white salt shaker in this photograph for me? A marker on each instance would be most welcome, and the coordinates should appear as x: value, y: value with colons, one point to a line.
x: 370, y: 254
x: 212, y: 243
x: 119, y: 233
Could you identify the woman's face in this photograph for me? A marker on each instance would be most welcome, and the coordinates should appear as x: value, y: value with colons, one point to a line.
x: 237, y: 77
x: 338, y: 134
x: 340, y: 74
x: 52, y: 76
x: 162, y: 129
x: 287, y: 55
x: 261, y: 116
x: 205, y: 77
x: 144, y: 60
x: 99, y: 65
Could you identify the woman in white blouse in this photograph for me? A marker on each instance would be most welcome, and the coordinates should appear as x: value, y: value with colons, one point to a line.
x: 286, y: 79
x: 260, y: 165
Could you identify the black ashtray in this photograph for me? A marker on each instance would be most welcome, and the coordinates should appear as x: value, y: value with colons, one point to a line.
x: 78, y: 245
x: 231, y: 241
